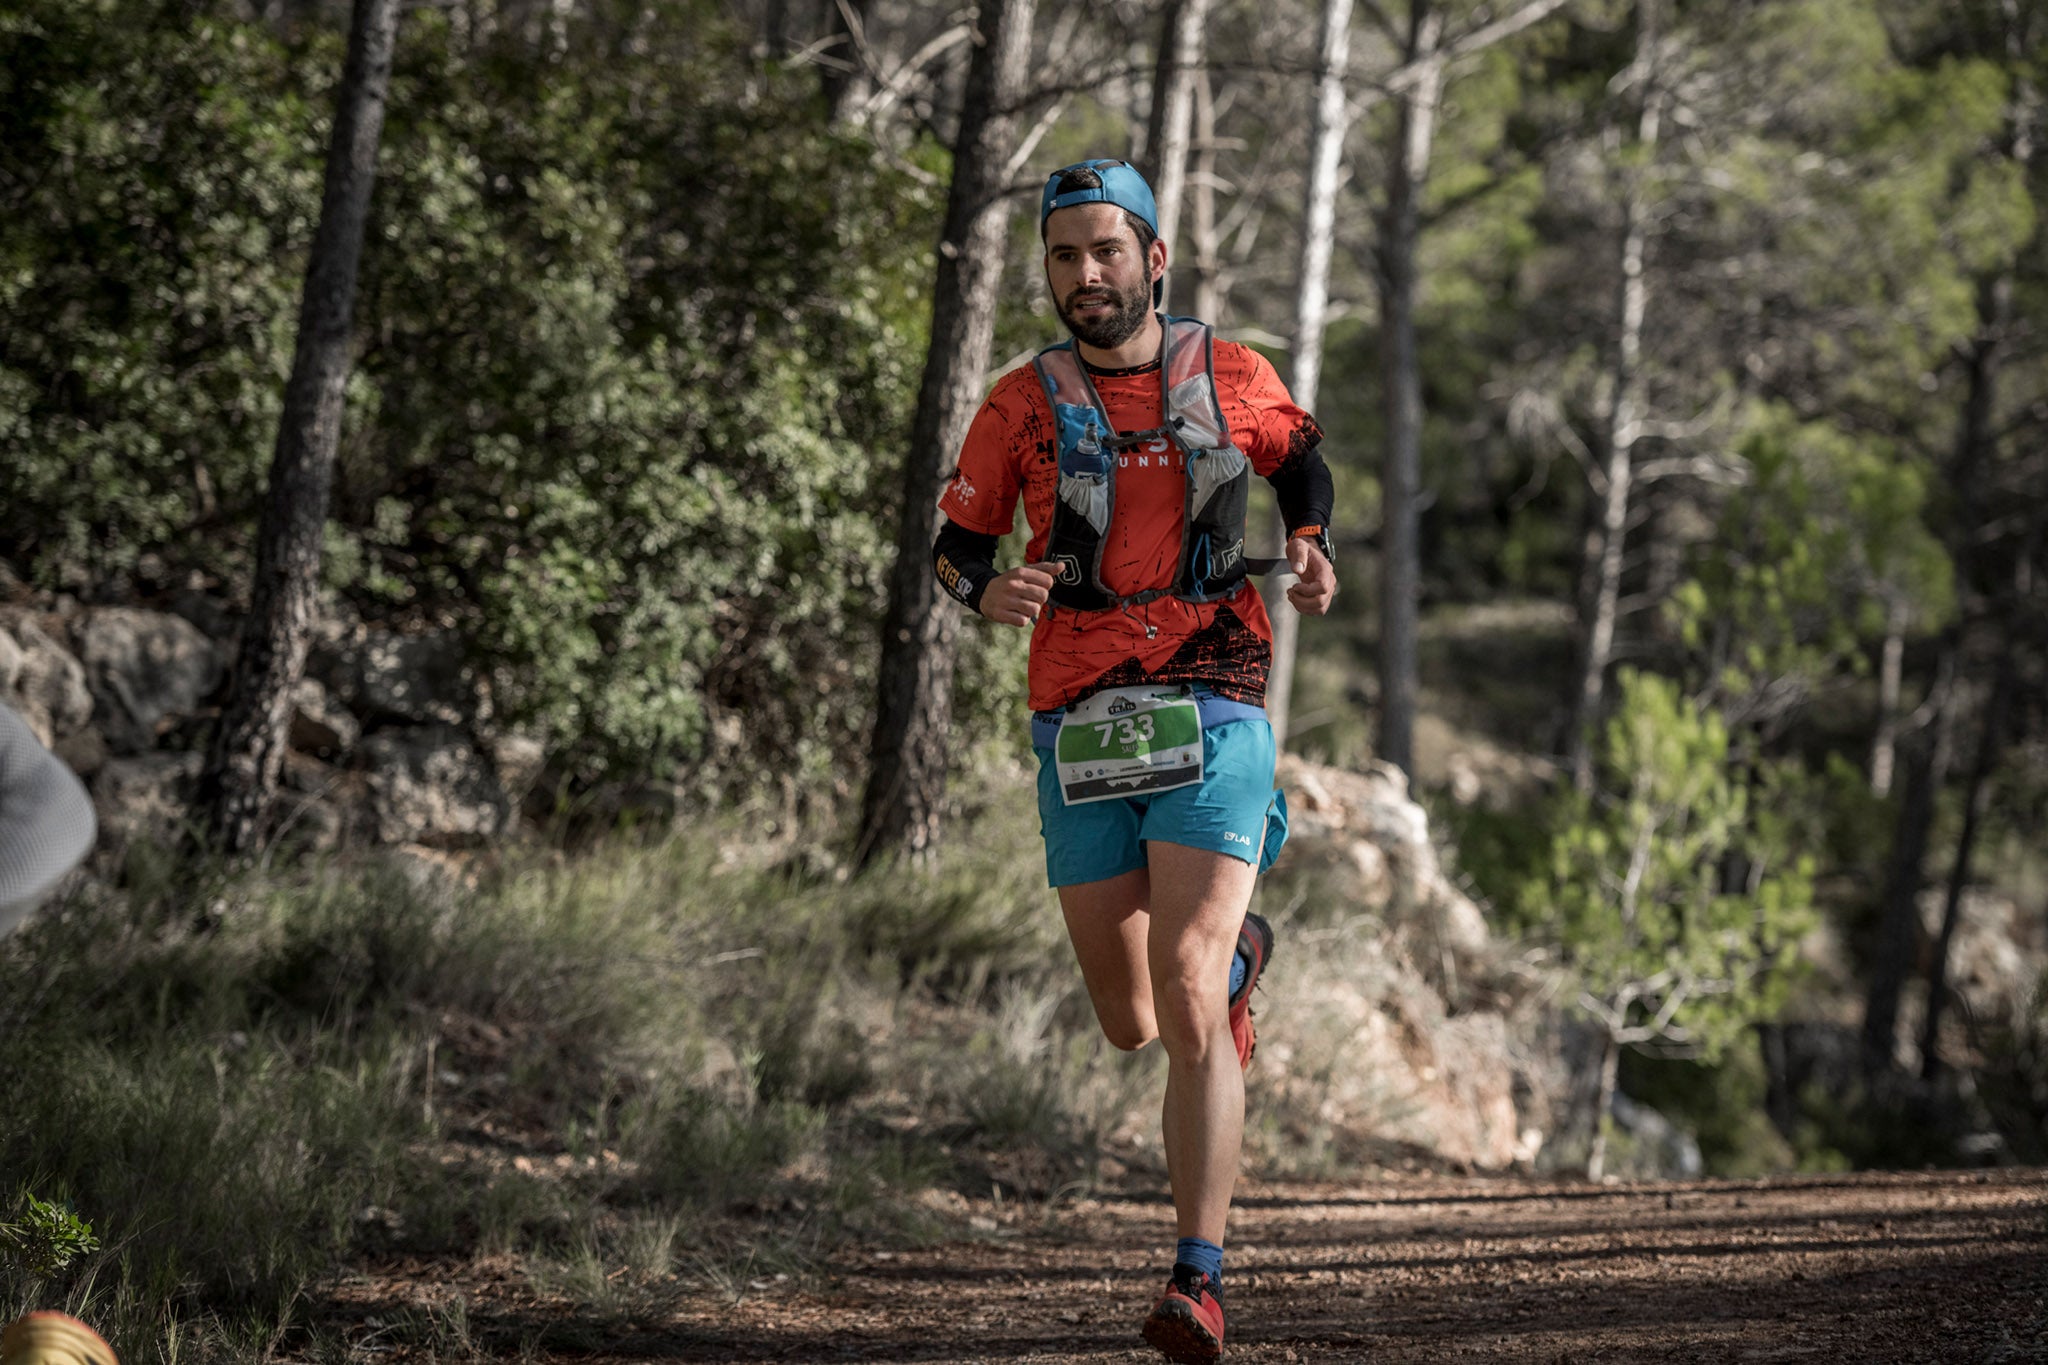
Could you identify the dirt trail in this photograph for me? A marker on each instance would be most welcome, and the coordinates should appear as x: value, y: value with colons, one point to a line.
x: 1947, y: 1267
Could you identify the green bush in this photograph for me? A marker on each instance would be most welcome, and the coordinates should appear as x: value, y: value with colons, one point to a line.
x: 640, y: 338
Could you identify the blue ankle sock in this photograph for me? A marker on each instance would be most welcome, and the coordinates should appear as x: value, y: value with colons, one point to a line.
x: 1203, y: 1255
x: 1238, y: 967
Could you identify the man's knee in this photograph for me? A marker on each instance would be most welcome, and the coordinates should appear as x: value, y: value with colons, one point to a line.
x: 1127, y: 1035
x: 1190, y: 1019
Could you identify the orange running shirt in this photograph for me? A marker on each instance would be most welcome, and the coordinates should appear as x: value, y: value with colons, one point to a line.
x: 1010, y: 452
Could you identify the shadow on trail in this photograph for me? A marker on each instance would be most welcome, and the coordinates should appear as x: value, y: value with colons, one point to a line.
x: 1777, y: 1185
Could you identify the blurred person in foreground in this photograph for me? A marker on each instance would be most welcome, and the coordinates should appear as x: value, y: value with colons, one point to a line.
x: 46, y: 828
x: 1131, y: 447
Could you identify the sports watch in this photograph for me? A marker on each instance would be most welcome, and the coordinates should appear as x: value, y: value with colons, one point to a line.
x: 1318, y: 536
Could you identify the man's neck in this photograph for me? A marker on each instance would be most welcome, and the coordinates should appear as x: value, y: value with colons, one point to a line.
x: 1141, y: 349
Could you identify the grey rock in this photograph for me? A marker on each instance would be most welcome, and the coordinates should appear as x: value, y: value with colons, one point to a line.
x: 48, y: 688
x: 318, y: 724
x: 519, y: 759
x: 430, y: 785
x: 147, y: 796
x: 12, y: 660
x: 144, y: 667
x: 414, y: 679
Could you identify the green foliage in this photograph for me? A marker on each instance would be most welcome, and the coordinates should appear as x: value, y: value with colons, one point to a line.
x: 1825, y: 541
x: 1664, y: 957
x: 45, y: 1237
x: 158, y: 179
x: 559, y: 1063
x: 640, y: 340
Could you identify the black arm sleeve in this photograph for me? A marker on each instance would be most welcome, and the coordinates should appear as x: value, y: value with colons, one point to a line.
x: 965, y: 561
x: 1304, y: 491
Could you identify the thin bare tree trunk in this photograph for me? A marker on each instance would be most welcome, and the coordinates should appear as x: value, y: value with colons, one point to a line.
x: 248, y: 749
x: 1311, y: 310
x: 1202, y: 195
x: 842, y: 70
x: 1401, y: 477
x: 1603, y: 1108
x: 907, y: 762
x: 1890, y: 676
x: 1173, y: 101
x: 1601, y: 599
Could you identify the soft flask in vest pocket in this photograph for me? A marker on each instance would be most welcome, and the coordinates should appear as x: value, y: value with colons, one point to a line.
x: 1211, y: 561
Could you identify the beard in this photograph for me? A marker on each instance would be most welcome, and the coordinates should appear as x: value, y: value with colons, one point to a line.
x: 1107, y: 331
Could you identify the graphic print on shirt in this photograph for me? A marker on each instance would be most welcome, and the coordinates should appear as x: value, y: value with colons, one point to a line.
x: 1010, y: 456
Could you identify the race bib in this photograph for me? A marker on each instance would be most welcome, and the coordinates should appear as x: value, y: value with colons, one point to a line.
x: 1129, y: 741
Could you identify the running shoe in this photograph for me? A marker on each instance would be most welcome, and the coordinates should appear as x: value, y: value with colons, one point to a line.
x: 1255, y: 942
x: 50, y: 1338
x: 1186, y: 1325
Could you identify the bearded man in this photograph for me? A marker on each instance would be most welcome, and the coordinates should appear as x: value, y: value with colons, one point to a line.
x: 1131, y: 447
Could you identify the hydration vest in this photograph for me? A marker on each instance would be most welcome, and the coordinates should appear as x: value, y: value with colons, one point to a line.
x: 1211, y: 563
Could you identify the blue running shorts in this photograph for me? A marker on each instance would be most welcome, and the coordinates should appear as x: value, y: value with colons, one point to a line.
x: 1235, y: 810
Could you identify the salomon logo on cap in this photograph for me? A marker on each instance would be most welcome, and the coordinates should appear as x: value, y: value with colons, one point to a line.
x: 1099, y: 182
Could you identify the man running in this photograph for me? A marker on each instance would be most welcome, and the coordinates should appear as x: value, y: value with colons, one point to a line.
x: 1131, y: 447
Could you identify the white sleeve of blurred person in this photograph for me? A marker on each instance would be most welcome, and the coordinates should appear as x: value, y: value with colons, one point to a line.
x: 46, y: 821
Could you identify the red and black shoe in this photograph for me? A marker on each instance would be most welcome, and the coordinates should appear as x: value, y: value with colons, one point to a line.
x: 1186, y: 1325
x: 1255, y: 945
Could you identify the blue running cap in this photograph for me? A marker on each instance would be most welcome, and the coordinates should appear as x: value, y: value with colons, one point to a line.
x: 1121, y: 186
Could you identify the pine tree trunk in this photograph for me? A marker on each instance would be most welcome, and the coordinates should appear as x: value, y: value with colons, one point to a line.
x: 248, y: 749
x: 914, y: 696
x: 1603, y: 1109
x: 1401, y: 478
x: 1600, y: 600
x: 1990, y: 746
x: 1311, y: 311
x: 1898, y: 925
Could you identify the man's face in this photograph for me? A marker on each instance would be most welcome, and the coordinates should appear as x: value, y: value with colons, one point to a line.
x: 1101, y: 282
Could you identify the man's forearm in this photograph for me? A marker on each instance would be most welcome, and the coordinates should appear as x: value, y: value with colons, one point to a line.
x: 1305, y: 491
x: 965, y: 562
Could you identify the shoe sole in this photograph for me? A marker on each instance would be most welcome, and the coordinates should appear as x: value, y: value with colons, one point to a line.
x: 1261, y: 930
x: 1174, y: 1331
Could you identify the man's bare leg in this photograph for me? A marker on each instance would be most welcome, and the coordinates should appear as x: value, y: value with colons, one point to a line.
x: 1108, y: 926
x: 1198, y: 903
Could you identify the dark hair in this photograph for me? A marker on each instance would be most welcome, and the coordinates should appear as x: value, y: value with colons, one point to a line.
x: 1082, y: 178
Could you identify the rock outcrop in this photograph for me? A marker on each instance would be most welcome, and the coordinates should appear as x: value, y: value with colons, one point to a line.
x: 391, y: 738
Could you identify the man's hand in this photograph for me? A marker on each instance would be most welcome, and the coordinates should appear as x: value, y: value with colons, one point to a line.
x: 1016, y: 597
x: 1315, y: 581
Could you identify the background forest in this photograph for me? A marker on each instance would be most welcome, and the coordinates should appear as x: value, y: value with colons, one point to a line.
x: 1686, y: 385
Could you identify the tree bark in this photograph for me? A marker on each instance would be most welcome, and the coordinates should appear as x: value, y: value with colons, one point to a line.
x: 248, y: 749
x: 1898, y: 925
x: 1202, y: 196
x: 1328, y: 120
x: 1172, y: 115
x: 1600, y: 599
x: 1401, y: 479
x: 900, y: 806
x: 1989, y: 748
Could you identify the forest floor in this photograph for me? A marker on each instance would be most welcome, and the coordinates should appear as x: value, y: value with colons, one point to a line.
x: 1937, y: 1266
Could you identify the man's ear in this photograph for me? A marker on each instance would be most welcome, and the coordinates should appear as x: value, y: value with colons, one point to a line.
x: 1158, y: 254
